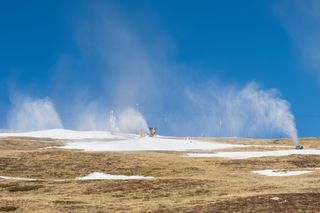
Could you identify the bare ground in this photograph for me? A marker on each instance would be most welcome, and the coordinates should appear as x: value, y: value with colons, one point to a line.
x: 181, y: 184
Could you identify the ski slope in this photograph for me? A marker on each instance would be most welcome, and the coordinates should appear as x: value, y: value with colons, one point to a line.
x: 105, y: 141
x: 147, y: 144
x: 65, y: 134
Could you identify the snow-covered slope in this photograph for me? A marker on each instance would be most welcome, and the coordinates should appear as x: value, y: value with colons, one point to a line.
x: 105, y: 141
x: 64, y: 134
x: 147, y: 144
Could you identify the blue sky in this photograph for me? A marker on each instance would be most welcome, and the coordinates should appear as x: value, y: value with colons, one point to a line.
x: 79, y: 52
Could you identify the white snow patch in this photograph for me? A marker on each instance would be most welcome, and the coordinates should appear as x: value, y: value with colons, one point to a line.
x: 17, y: 178
x: 65, y: 134
x: 147, y: 144
x: 103, y: 176
x: 245, y: 155
x: 278, y: 173
x: 275, y: 198
x: 91, y: 176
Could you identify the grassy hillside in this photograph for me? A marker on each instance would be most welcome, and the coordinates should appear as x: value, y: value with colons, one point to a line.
x: 181, y: 183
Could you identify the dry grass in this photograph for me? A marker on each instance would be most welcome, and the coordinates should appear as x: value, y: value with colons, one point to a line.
x: 181, y: 184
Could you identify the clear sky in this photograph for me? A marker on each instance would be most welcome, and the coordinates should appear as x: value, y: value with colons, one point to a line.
x: 118, y: 53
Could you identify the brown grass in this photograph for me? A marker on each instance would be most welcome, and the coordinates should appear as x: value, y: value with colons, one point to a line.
x: 182, y: 184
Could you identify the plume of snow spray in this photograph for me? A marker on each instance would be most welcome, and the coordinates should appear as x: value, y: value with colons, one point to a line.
x: 268, y: 110
x: 89, y: 116
x: 112, y: 122
x: 30, y: 115
x: 129, y: 121
x: 248, y: 111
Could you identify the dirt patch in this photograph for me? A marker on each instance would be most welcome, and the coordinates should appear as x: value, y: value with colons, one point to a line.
x: 292, y: 202
x: 7, y: 208
x: 23, y: 188
x: 306, y: 162
x: 25, y: 143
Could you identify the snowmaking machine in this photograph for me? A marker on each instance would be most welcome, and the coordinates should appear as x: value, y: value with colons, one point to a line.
x: 152, y: 131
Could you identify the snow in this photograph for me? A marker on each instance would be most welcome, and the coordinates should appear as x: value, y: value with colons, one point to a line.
x: 146, y: 144
x: 17, y: 178
x: 275, y: 198
x: 278, y: 173
x: 103, y: 176
x: 65, y: 134
x: 91, y: 176
x: 245, y: 155
x: 105, y: 141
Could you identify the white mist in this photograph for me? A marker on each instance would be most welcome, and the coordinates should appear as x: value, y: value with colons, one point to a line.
x: 30, y: 115
x: 220, y: 110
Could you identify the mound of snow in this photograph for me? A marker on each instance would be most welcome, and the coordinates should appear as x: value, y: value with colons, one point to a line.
x: 278, y: 173
x: 146, y: 144
x: 244, y: 155
x: 103, y: 176
x: 64, y: 134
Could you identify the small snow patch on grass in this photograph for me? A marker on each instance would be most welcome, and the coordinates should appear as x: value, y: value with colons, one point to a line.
x: 259, y: 154
x: 103, y: 176
x: 275, y: 198
x: 17, y: 178
x: 277, y: 173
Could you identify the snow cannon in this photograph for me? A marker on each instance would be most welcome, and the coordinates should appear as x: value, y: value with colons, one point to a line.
x: 152, y: 131
x: 299, y: 147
